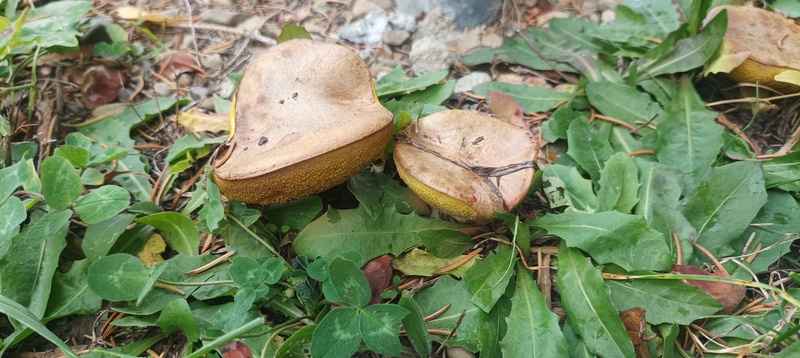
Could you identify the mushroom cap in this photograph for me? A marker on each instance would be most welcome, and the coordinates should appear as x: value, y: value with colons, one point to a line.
x: 772, y: 40
x: 306, y: 119
x: 446, y: 157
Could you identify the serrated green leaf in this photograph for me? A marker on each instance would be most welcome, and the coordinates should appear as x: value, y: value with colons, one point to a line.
x: 177, y: 317
x: 380, y: 327
x: 783, y: 172
x: 293, y: 32
x: 448, y: 290
x: 792, y: 9
x: 589, y: 146
x: 350, y: 284
x: 394, y: 83
x: 637, y: 106
x: 12, y: 178
x: 488, y: 277
x: 102, y: 203
x: 212, y: 211
x: 666, y: 301
x: 337, y: 335
x: 564, y: 186
x: 340, y: 231
x: 619, y: 184
x: 588, y: 306
x: 661, y: 185
x: 532, y: 99
x: 375, y: 191
x: 533, y: 329
x: 611, y: 237
x: 101, y: 237
x: 778, y: 226
x: 22, y: 314
x: 61, y: 184
x: 422, y: 263
x: 295, y: 215
x: 13, y: 213
x: 556, y: 127
x: 26, y: 274
x: 118, y: 277
x: 416, y: 331
x: 723, y: 204
x: 415, y: 110
x: 435, y: 94
x: 293, y: 346
x: 179, y: 231
x: 70, y: 293
x: 686, y: 54
x: 689, y: 138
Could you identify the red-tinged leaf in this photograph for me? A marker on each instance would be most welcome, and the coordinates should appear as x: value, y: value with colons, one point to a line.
x: 729, y: 295
x: 504, y: 108
x: 236, y: 349
x: 379, y: 275
x: 101, y: 86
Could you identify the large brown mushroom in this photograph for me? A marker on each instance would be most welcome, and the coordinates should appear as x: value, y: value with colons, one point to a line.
x: 306, y: 118
x: 762, y: 47
x: 466, y: 164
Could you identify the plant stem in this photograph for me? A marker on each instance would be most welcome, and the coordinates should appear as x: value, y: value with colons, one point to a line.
x: 227, y: 337
x: 247, y: 230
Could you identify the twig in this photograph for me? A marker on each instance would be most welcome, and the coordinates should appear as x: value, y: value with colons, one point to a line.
x: 452, y: 333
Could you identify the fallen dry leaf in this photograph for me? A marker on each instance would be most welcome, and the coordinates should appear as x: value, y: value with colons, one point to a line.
x: 634, y: 322
x: 199, y: 121
x: 174, y: 64
x: 379, y: 275
x: 729, y: 295
x: 235, y: 349
x: 101, y: 85
x: 505, y: 109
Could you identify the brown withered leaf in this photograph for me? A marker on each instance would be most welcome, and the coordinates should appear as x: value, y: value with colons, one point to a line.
x: 203, y: 122
x: 101, y: 85
x: 505, y: 109
x: 633, y: 320
x: 379, y: 275
x: 729, y: 295
x: 174, y: 64
x: 236, y: 349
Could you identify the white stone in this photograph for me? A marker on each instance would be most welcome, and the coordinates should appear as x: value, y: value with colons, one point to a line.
x: 366, y: 31
x: 429, y: 55
x: 468, y: 82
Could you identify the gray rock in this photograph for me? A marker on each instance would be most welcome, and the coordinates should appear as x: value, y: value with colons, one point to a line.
x: 429, y: 54
x: 402, y: 22
x: 221, y: 17
x: 466, y: 13
x: 225, y: 89
x: 366, y: 31
x: 395, y: 37
x: 468, y: 82
x: 212, y: 61
x: 198, y: 92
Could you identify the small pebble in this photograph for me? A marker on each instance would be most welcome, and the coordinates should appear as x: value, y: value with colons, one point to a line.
x: 185, y: 80
x: 468, y: 82
x: 225, y: 89
x: 198, y: 92
x: 212, y: 61
x: 363, y: 7
x: 366, y: 31
x: 607, y: 17
x: 429, y: 55
x: 395, y: 37
x: 164, y: 89
x: 492, y: 40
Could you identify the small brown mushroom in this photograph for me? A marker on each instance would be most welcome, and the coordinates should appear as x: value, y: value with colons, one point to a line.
x: 306, y: 118
x: 763, y: 47
x: 466, y: 164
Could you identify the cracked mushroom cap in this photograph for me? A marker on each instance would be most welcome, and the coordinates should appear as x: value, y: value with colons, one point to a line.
x: 770, y: 44
x: 306, y: 119
x: 466, y: 164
